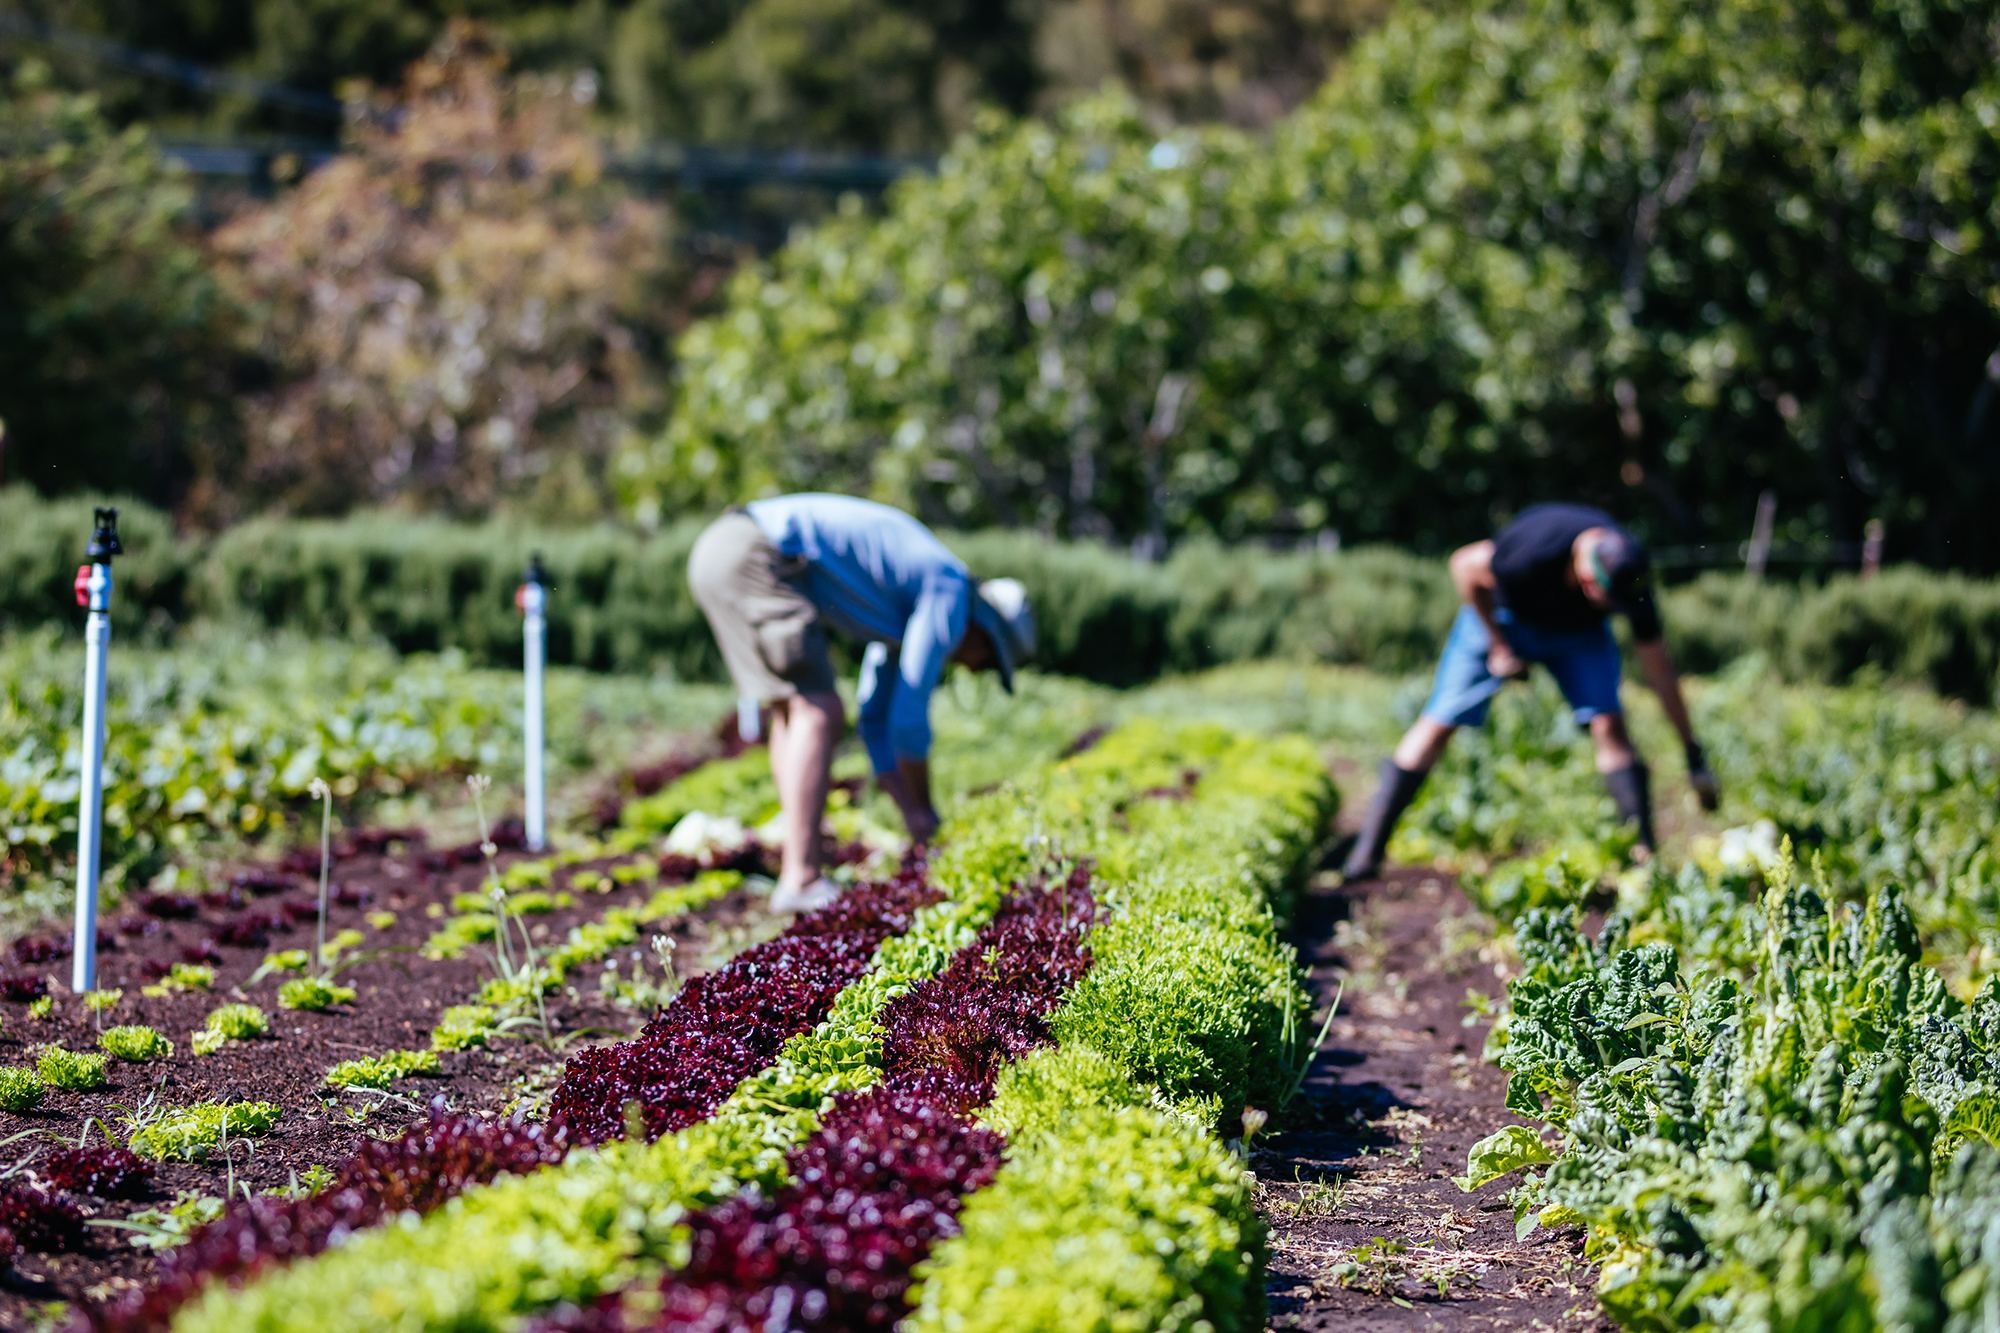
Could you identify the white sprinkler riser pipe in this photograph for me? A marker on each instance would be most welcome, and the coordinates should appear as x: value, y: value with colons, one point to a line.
x: 535, y: 635
x: 90, y: 813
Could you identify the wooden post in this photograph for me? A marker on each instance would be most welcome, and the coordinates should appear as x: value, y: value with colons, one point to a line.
x: 1759, y: 552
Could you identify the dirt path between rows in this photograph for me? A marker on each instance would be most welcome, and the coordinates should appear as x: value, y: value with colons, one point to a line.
x: 1396, y: 1097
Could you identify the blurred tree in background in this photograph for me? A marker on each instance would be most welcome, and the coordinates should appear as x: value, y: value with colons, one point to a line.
x: 459, y: 311
x: 114, y: 337
x: 1663, y: 255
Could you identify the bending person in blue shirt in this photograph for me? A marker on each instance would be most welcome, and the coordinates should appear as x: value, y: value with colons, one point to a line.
x: 772, y: 575
x: 1544, y: 590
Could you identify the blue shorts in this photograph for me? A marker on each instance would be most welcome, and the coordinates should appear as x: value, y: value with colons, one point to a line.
x: 1584, y: 662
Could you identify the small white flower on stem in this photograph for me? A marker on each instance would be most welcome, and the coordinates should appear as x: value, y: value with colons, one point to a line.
x: 318, y: 790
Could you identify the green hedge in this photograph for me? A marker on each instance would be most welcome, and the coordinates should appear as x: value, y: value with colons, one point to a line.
x: 620, y: 599
x: 619, y: 602
x: 42, y: 542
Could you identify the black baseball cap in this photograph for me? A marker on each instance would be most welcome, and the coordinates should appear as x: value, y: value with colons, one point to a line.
x: 1622, y: 566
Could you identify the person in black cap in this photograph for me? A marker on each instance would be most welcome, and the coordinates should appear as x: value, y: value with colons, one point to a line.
x: 1543, y: 590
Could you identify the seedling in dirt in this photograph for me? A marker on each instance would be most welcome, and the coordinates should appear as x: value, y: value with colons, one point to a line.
x: 347, y: 939
x: 169, y: 1227
x: 1319, y: 1198
x: 380, y: 1071
x: 463, y: 1026
x: 313, y: 995
x: 43, y: 1008
x: 315, y: 1179
x: 232, y: 1022
x: 284, y: 960
x: 1480, y: 1008
x: 20, y: 1089
x: 381, y: 920
x: 134, y: 1043
x: 101, y: 1002
x: 72, y: 1071
x: 190, y: 1133
x: 181, y: 978
x: 324, y: 794
x: 1302, y: 1060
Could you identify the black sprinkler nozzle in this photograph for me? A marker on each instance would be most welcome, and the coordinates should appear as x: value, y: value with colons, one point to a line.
x: 104, y: 541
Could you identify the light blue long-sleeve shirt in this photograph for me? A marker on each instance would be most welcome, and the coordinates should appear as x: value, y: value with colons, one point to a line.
x: 879, y: 575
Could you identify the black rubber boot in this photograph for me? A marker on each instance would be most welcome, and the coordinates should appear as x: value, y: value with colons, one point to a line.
x: 1393, y: 794
x: 1632, y: 789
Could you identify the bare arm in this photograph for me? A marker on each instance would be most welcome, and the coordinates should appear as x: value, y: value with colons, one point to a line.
x: 1657, y: 664
x: 1472, y: 572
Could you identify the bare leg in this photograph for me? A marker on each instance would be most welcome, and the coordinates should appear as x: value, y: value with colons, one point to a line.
x: 804, y: 730
x: 1614, y: 743
x: 1423, y: 745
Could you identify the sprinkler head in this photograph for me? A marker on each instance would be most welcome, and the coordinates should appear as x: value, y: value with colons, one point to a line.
x: 104, y: 542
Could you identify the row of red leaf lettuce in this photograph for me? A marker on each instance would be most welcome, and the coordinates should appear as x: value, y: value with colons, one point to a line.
x: 721, y: 1028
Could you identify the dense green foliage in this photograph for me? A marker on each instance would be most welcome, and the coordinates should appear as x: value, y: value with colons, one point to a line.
x: 1515, y: 248
x: 114, y: 332
x: 313, y: 995
x: 372, y: 1071
x: 1790, y: 1130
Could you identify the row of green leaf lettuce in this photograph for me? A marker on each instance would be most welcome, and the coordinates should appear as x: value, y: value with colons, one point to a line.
x: 1190, y: 1016
x: 606, y: 1217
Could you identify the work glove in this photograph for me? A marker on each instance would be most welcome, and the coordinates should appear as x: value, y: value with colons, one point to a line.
x: 1701, y: 778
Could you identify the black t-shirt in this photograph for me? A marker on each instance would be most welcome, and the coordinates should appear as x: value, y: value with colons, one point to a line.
x: 1531, y: 563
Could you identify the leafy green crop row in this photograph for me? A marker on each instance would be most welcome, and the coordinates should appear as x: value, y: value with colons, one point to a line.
x: 1775, y: 1117
x: 605, y: 1216
x: 1190, y: 1014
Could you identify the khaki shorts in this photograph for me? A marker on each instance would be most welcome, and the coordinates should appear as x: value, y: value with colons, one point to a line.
x: 754, y: 598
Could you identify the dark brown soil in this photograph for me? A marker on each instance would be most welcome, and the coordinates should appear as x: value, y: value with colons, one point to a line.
x: 401, y: 996
x: 1396, y: 1097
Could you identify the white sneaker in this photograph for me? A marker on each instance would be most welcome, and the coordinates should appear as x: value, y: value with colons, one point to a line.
x: 820, y: 893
